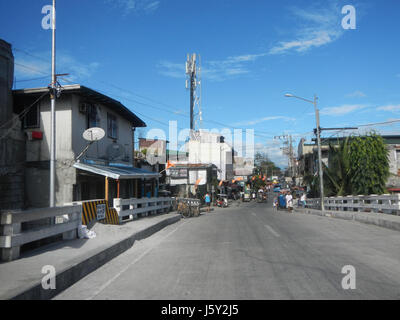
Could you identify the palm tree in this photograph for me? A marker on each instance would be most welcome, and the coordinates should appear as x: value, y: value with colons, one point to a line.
x: 337, y: 176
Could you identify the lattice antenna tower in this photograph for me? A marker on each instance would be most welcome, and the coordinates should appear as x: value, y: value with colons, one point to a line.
x: 193, y: 83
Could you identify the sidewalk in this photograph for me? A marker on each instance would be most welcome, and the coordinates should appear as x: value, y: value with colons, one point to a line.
x: 379, y: 219
x: 74, y: 259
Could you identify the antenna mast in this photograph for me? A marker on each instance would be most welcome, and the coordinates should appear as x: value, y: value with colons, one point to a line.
x: 193, y: 73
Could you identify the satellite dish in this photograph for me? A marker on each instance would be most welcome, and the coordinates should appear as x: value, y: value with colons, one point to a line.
x: 115, y: 151
x: 94, y: 134
x: 91, y: 135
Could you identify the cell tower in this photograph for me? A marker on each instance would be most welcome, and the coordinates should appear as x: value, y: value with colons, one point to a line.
x: 193, y: 83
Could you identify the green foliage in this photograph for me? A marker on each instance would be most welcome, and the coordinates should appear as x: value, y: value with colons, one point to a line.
x: 337, y: 176
x: 369, y: 164
x: 313, y: 183
x: 359, y: 165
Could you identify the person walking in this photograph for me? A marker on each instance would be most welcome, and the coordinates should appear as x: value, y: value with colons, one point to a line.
x: 289, y: 202
x: 303, y: 200
x: 207, y: 199
x: 281, y: 201
x: 275, y: 204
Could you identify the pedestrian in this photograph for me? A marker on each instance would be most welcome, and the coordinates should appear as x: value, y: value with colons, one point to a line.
x: 275, y: 204
x: 281, y: 201
x: 303, y: 200
x: 289, y: 201
x: 207, y: 199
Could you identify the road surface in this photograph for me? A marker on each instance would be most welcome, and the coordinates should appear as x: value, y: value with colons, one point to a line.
x: 249, y: 251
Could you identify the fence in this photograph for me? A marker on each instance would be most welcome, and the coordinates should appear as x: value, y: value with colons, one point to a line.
x: 131, y: 208
x: 14, y: 234
x: 389, y: 204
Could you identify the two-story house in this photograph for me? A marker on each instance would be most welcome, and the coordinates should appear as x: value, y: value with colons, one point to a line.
x: 105, y: 171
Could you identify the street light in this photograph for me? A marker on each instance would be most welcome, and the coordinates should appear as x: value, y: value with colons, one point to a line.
x: 321, y: 179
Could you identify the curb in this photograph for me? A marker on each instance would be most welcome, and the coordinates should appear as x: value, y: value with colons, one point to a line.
x: 71, y: 275
x: 362, y: 217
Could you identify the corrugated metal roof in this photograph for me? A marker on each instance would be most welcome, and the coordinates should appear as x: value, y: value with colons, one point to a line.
x: 116, y: 172
x: 91, y: 94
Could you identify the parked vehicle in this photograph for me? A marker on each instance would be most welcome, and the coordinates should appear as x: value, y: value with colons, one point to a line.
x: 222, y: 200
x: 277, y: 188
x: 188, y: 207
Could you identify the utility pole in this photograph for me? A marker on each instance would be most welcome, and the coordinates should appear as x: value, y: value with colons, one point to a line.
x: 318, y: 132
x: 288, y: 151
x: 53, y: 108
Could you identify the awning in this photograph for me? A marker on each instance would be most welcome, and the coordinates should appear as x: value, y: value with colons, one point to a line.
x: 117, y: 172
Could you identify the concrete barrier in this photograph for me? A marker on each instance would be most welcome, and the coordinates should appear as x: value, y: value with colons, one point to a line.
x: 379, y: 219
x: 131, y: 208
x: 12, y: 235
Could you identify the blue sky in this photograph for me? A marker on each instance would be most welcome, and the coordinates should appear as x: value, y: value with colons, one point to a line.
x: 252, y: 52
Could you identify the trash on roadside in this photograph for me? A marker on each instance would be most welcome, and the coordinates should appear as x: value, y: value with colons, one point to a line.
x: 85, y: 233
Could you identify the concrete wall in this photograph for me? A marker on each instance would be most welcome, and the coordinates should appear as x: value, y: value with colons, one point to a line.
x: 38, y: 156
x: 98, y: 150
x: 394, y: 167
x: 12, y: 147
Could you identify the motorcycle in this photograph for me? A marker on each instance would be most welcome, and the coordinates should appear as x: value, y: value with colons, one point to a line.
x: 222, y: 201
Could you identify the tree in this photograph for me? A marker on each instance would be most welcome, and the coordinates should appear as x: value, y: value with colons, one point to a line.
x: 357, y: 165
x: 369, y: 164
x: 337, y: 175
x: 264, y: 166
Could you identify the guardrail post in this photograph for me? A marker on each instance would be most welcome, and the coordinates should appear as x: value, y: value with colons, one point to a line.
x: 118, y: 207
x: 73, y: 234
x: 132, y: 206
x: 7, y: 231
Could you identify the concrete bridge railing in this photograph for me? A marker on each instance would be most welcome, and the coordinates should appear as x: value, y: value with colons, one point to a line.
x: 387, y: 203
x: 21, y: 227
x: 131, y: 208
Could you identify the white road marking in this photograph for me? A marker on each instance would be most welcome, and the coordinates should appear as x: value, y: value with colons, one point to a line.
x: 105, y: 285
x: 276, y: 234
x: 254, y: 214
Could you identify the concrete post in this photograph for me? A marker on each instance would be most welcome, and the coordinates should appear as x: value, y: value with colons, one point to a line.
x: 10, y: 253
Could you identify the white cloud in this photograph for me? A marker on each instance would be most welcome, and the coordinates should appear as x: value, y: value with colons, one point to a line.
x: 274, y: 152
x: 253, y: 122
x: 356, y: 94
x: 317, y: 27
x: 170, y: 69
x: 391, y: 108
x: 35, y: 65
x: 214, y: 70
x: 135, y: 6
x: 341, y: 110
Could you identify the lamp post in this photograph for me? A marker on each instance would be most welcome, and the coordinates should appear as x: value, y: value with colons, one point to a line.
x: 318, y: 133
x: 53, y: 110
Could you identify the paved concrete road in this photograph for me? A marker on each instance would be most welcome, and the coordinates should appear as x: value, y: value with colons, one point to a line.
x: 251, y: 252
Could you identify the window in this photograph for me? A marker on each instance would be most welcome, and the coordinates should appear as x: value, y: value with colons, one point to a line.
x: 112, y: 126
x: 32, y: 119
x: 93, y: 119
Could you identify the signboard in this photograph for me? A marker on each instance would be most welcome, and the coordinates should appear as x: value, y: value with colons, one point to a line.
x: 101, y: 211
x: 178, y: 173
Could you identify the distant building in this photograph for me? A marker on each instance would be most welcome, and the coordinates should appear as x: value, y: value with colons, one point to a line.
x: 211, y: 148
x: 154, y: 150
x: 243, y: 167
x: 183, y: 178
